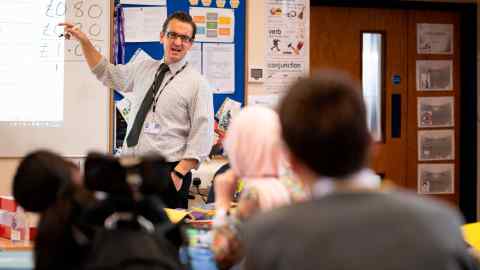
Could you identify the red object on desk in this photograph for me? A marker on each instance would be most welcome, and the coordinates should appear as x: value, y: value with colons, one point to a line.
x: 201, y: 223
x: 8, y: 203
x: 5, y: 232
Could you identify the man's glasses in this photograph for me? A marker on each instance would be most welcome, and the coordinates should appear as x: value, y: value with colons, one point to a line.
x: 183, y: 38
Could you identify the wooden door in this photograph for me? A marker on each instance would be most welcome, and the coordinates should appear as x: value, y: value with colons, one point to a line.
x: 336, y: 42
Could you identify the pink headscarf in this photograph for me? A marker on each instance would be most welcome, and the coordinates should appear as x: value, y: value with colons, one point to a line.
x: 253, y: 145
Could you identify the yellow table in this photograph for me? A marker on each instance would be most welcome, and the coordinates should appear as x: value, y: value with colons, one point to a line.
x: 7, y: 244
x: 471, y: 232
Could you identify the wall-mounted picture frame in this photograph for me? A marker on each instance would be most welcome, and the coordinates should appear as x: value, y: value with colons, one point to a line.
x: 436, y: 179
x: 434, y: 75
x: 436, y: 145
x: 434, y: 38
x: 435, y: 112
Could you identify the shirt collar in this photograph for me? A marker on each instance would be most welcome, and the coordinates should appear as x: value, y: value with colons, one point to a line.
x: 364, y: 179
x: 174, y: 67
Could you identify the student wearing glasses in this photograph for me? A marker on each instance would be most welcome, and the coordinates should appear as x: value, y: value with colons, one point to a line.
x: 172, y: 106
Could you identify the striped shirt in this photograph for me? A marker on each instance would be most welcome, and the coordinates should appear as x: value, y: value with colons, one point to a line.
x: 184, y: 109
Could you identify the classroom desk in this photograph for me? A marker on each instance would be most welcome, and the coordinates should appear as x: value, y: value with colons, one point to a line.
x: 16, y: 260
x: 471, y: 232
x: 15, y: 255
x: 8, y: 245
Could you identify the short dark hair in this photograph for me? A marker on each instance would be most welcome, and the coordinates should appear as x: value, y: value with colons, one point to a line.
x: 183, y: 17
x: 324, y: 124
x: 39, y: 178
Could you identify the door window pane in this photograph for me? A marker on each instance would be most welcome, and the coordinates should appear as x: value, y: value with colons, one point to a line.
x: 372, y: 78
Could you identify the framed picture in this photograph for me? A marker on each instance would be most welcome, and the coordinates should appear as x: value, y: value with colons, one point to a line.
x: 435, y: 112
x: 436, y: 179
x: 434, y: 38
x: 436, y: 145
x: 434, y: 75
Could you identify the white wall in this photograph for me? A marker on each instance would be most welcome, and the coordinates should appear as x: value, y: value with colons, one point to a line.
x: 255, y: 40
x: 7, y: 170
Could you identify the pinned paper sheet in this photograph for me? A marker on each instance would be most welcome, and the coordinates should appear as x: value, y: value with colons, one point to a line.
x: 144, y: 24
x: 219, y: 66
x: 195, y: 57
x: 139, y: 56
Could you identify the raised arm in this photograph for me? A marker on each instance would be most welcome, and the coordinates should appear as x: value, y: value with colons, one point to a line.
x: 92, y: 55
x: 119, y: 77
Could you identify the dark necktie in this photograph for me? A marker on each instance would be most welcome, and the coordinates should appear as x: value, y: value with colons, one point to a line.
x: 134, y: 134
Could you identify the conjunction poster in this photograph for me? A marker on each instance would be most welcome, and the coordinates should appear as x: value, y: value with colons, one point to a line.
x: 286, y: 44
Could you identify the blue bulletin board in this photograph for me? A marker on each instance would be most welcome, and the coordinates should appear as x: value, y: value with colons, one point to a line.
x: 125, y: 50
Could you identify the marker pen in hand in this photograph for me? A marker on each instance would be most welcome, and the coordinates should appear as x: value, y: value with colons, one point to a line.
x: 67, y: 36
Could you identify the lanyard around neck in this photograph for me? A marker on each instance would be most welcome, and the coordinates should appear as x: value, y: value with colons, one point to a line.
x: 165, y: 85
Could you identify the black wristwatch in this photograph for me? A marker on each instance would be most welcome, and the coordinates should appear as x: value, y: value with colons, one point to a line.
x: 179, y: 174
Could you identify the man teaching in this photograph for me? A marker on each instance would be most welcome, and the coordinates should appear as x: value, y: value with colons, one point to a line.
x: 172, y: 102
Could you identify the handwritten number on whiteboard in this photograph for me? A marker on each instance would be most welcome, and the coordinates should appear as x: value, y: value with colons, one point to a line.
x: 44, y: 50
x: 78, y: 50
x: 95, y: 30
x: 45, y: 30
x: 95, y: 11
x: 61, y: 9
x: 78, y: 9
x: 49, y: 11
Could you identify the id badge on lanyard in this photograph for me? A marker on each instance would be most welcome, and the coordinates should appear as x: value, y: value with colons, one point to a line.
x: 151, y: 128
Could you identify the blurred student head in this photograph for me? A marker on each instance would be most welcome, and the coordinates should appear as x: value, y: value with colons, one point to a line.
x: 255, y: 152
x: 48, y: 184
x: 253, y: 143
x: 324, y: 125
x: 40, y: 178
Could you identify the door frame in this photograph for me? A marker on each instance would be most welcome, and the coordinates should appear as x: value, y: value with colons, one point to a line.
x: 468, y: 65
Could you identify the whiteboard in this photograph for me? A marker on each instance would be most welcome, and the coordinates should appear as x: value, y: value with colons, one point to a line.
x: 49, y: 99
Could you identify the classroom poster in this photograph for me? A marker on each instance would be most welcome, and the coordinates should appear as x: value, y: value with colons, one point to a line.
x: 286, y: 44
x: 213, y: 24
